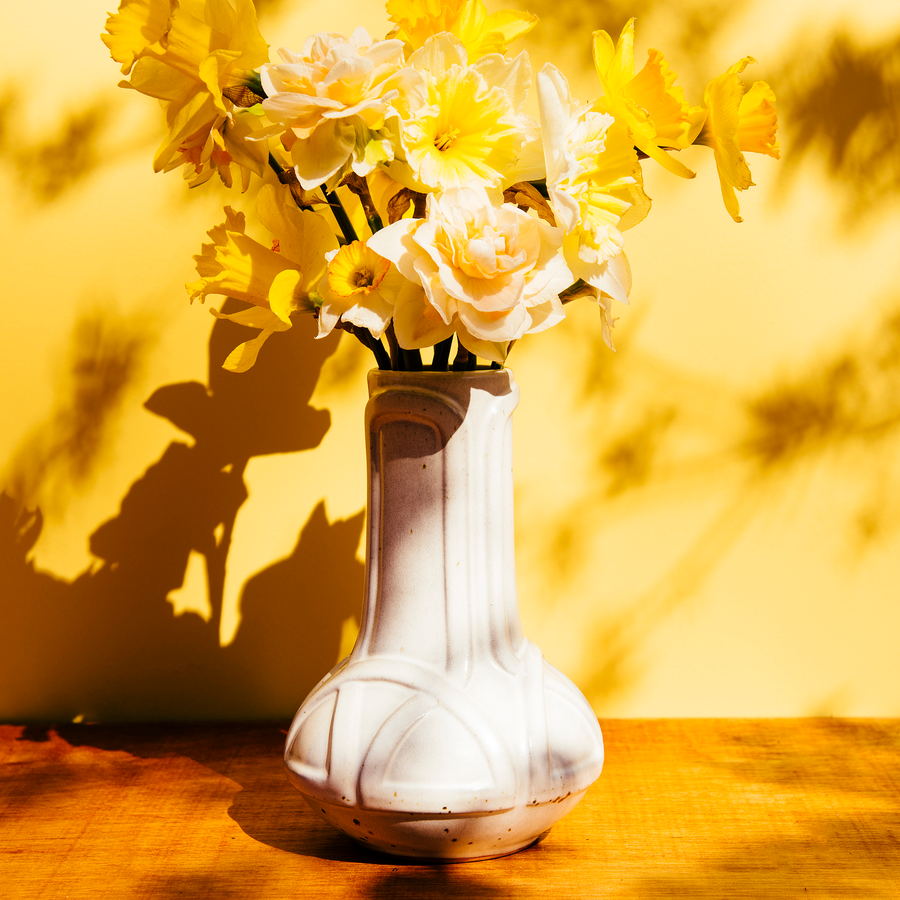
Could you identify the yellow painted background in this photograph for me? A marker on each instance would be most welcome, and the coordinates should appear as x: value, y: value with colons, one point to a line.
x: 708, y: 521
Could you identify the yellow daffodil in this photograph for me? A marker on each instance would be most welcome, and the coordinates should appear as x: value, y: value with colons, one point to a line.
x: 216, y: 146
x: 136, y: 27
x: 738, y: 122
x: 188, y: 54
x: 647, y: 103
x: 331, y: 99
x: 462, y: 124
x: 480, y: 33
x: 361, y: 288
x: 487, y: 273
x: 277, y: 281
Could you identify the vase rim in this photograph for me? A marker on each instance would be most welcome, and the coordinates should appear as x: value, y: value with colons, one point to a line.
x: 453, y: 372
x: 491, y: 380
x: 460, y: 386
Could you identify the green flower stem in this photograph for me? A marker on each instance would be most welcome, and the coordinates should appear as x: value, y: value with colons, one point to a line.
x: 396, y: 360
x: 381, y: 355
x: 441, y: 360
x: 367, y: 340
x: 360, y: 187
x: 375, y: 223
x: 275, y: 166
x: 461, y: 362
x: 340, y: 216
x: 412, y: 360
x: 289, y: 177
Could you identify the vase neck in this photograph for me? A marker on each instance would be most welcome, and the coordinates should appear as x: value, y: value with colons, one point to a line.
x: 440, y: 571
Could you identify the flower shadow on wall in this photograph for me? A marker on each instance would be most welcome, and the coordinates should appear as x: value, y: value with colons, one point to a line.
x: 106, y: 645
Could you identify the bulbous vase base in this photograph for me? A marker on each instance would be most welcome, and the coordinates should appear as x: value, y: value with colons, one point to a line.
x: 446, y: 837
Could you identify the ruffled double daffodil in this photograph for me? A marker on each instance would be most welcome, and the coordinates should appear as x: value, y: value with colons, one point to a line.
x: 329, y: 103
x: 191, y: 55
x: 461, y: 124
x: 276, y: 281
x: 475, y: 267
x: 738, y: 123
x: 481, y: 33
x: 648, y: 103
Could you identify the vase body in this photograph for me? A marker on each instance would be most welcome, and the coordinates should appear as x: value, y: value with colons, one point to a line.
x: 444, y: 734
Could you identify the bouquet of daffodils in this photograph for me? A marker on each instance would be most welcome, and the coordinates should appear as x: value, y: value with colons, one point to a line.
x: 410, y: 197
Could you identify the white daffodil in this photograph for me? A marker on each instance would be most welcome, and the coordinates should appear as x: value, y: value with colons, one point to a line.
x: 332, y: 99
x: 360, y: 287
x: 594, y: 182
x: 487, y: 272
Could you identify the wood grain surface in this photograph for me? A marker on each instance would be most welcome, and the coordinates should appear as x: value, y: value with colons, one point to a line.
x: 689, y: 809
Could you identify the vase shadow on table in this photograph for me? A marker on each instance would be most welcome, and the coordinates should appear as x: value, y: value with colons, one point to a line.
x: 106, y: 645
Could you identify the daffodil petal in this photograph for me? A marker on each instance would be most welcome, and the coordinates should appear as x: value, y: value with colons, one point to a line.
x: 244, y: 356
x: 253, y: 317
x: 413, y: 328
x: 319, y: 157
x: 136, y: 26
x: 512, y: 75
x: 758, y: 121
x: 282, y: 291
x: 495, y: 351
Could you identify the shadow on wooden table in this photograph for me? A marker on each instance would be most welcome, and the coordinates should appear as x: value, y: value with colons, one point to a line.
x: 262, y: 803
x: 688, y: 810
x: 811, y: 811
x: 266, y: 807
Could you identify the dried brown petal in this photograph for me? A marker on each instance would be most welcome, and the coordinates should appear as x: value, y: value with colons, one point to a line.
x: 302, y: 197
x: 358, y: 186
x: 578, y: 289
x: 399, y: 204
x: 241, y: 95
x: 526, y: 196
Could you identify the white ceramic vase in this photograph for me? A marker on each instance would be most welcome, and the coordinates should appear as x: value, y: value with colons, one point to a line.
x: 445, y: 734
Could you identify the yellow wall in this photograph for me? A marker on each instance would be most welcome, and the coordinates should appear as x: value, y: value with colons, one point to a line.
x: 707, y: 521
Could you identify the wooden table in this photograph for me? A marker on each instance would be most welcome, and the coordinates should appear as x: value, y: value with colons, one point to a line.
x: 688, y: 809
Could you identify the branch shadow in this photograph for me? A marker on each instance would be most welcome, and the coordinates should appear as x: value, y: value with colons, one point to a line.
x: 53, y: 164
x: 694, y: 28
x: 830, y: 780
x: 656, y: 446
x: 105, y: 360
x: 842, y: 103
